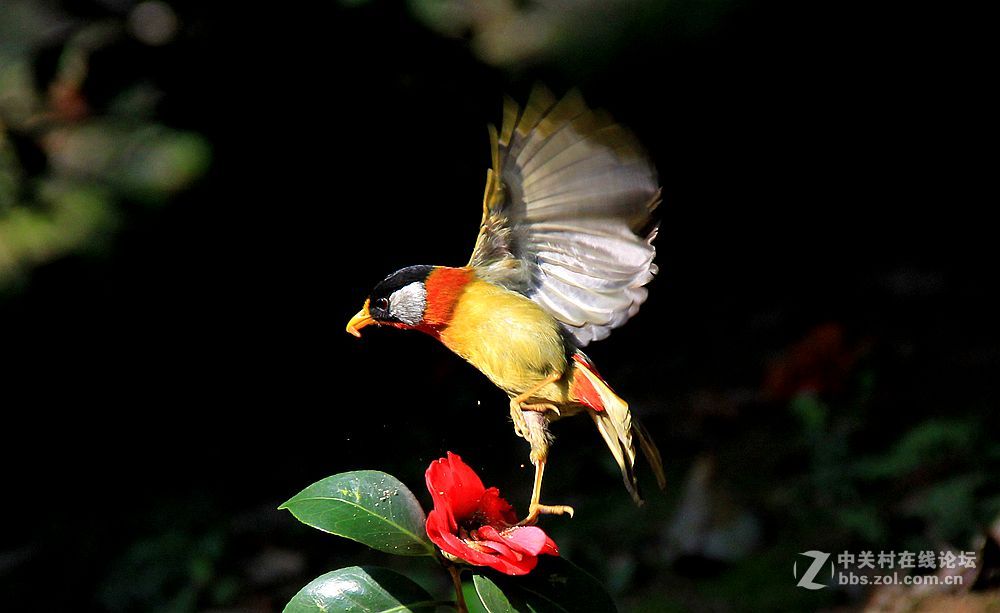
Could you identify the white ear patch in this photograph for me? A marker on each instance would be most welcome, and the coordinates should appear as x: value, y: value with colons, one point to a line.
x: 407, y: 303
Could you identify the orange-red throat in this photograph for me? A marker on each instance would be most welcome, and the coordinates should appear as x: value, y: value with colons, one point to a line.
x: 444, y: 289
x: 416, y: 297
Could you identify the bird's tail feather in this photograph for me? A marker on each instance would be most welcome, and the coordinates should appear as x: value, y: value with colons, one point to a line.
x: 614, y: 421
x: 651, y: 452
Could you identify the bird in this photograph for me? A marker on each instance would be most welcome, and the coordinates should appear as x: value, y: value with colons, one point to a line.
x: 564, y: 250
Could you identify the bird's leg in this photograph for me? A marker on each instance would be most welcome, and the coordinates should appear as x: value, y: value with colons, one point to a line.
x: 536, y: 508
x: 525, y: 395
x: 530, y: 424
x: 517, y: 410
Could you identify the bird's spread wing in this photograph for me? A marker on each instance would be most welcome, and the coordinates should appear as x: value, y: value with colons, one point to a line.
x: 567, y: 214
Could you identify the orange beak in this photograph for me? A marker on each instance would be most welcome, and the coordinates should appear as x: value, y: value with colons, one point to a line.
x: 362, y: 319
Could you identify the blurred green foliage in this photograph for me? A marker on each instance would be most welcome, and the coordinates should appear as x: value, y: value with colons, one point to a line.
x: 68, y: 166
x: 578, y: 37
x: 170, y: 573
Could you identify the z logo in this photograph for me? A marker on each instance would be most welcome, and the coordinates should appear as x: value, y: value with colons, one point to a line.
x: 819, y: 559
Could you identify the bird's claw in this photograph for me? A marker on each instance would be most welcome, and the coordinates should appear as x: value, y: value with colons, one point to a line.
x: 520, y: 423
x: 544, y: 509
x: 542, y: 407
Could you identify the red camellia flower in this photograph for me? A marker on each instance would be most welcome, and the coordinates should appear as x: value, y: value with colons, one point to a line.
x: 476, y: 525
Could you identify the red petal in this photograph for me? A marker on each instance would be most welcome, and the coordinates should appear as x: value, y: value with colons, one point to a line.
x: 550, y: 548
x: 527, y: 539
x: 495, y: 509
x: 507, y: 560
x: 450, y: 542
x: 515, y: 567
x: 504, y: 551
x: 441, y: 520
x: 454, y: 485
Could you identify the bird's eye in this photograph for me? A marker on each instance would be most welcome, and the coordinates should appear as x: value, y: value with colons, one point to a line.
x: 382, y: 304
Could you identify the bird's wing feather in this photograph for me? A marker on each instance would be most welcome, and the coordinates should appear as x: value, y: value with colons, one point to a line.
x: 567, y: 214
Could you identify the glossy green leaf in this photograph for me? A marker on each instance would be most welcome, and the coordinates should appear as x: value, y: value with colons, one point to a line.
x: 491, y: 596
x: 367, y: 506
x: 358, y: 589
x: 554, y: 586
x: 472, y: 601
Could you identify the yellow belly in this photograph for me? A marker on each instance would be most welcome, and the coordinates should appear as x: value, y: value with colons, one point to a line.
x: 509, y: 338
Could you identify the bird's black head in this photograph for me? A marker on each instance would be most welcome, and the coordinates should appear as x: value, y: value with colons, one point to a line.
x: 399, y: 300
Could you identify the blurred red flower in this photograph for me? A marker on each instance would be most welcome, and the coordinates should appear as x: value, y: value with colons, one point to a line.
x: 473, y: 524
x: 821, y: 362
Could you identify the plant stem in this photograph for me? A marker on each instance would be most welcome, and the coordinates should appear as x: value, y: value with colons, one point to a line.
x: 457, y: 580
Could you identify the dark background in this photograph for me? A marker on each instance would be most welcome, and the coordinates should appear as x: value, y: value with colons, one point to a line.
x: 816, y: 359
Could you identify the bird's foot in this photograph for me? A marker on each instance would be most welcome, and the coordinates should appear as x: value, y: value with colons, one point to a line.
x: 541, y: 407
x: 544, y: 509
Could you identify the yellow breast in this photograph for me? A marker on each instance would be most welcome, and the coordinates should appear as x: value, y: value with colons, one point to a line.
x: 507, y: 336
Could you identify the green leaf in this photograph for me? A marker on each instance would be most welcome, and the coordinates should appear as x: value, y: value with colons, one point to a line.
x: 555, y: 585
x: 367, y: 506
x: 472, y: 601
x: 491, y: 596
x: 367, y: 589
